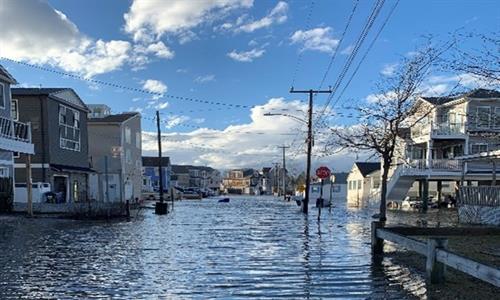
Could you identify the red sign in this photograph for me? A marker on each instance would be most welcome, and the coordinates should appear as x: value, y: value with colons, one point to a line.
x: 323, y: 172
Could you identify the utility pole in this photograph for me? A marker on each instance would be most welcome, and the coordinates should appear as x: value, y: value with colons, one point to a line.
x: 276, y: 178
x: 161, y: 206
x: 284, y: 171
x: 305, y: 203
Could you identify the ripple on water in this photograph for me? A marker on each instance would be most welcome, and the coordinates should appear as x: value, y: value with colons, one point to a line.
x: 252, y: 247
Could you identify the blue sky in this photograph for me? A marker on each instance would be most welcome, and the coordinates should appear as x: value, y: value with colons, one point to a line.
x: 203, y: 49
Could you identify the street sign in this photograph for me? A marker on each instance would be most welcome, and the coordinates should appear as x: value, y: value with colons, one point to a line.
x: 323, y: 172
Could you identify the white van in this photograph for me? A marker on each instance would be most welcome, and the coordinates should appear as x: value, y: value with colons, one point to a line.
x: 38, y: 191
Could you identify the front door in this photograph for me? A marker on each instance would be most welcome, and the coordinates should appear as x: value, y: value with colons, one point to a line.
x: 60, y: 188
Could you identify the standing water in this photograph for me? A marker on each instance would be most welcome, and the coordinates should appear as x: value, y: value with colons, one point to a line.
x: 251, y: 247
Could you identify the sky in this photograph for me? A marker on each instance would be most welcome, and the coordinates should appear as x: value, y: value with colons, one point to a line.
x: 215, y: 67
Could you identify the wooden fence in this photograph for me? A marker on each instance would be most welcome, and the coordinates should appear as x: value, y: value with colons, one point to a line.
x: 479, y: 195
x: 436, y: 253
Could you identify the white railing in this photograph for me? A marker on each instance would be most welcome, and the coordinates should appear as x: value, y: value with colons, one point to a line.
x: 14, y: 130
x: 448, y: 128
x: 433, y: 165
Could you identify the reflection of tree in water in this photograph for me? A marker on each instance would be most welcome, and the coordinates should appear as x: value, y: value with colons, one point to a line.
x: 306, y: 255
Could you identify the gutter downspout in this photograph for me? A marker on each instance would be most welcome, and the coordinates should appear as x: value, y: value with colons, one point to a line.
x: 42, y: 130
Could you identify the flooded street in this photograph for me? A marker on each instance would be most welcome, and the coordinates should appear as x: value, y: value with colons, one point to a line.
x: 252, y: 247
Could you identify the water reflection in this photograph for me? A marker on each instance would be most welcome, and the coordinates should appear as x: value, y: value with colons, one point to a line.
x: 248, y: 248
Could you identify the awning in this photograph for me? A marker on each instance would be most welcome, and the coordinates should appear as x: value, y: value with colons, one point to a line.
x: 61, y: 168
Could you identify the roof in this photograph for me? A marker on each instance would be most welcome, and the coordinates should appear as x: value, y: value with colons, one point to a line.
x: 5, y: 75
x: 182, y: 169
x: 341, y: 178
x: 365, y: 168
x: 153, y: 161
x: 477, y: 93
x: 60, y: 94
x: 118, y: 118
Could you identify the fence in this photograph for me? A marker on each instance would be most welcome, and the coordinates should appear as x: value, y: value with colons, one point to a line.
x: 435, y: 251
x: 479, y: 195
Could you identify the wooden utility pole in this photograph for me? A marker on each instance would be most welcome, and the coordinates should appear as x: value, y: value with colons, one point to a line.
x: 161, y: 206
x: 305, y: 203
x: 276, y: 178
x: 29, y: 187
x: 284, y: 171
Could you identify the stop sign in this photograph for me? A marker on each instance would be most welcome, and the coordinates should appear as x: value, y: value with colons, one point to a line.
x: 323, y: 172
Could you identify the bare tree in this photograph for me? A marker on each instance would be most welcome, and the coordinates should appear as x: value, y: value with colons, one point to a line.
x: 389, y: 113
x: 481, y: 60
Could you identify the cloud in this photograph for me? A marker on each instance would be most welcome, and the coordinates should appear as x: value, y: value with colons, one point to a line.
x: 389, y: 69
x: 317, y: 39
x: 277, y: 15
x: 149, y: 20
x: 205, y: 78
x: 250, y: 144
x: 33, y: 31
x: 347, y: 50
x: 175, y: 120
x: 155, y: 86
x: 246, y: 56
x: 161, y: 106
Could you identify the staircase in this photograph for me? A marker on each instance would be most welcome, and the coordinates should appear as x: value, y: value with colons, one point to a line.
x: 399, y: 184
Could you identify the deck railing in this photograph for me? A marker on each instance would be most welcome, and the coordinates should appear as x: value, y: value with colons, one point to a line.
x: 435, y: 164
x: 479, y: 195
x: 15, y: 130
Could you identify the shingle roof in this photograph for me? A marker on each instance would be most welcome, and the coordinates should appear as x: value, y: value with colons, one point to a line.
x: 367, y: 167
x: 341, y: 178
x: 36, y: 91
x: 477, y: 93
x: 185, y: 168
x: 4, y: 74
x: 76, y: 102
x: 152, y: 161
x: 180, y: 169
x: 118, y: 118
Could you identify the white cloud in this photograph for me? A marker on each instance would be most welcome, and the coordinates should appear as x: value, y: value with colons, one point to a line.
x: 205, y: 78
x: 246, y: 56
x: 155, y: 86
x: 318, y: 39
x: 277, y: 15
x: 389, y: 69
x: 181, y: 70
x: 161, y: 106
x: 250, y: 144
x: 149, y: 20
x: 347, y: 50
x: 175, y: 120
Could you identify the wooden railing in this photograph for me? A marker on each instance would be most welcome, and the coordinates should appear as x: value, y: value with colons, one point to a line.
x: 15, y: 130
x: 479, y: 195
x: 435, y: 251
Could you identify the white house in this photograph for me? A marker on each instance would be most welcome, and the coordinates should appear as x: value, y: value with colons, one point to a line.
x: 363, y: 184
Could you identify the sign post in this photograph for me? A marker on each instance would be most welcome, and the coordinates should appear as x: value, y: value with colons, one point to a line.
x: 332, y: 180
x: 322, y: 172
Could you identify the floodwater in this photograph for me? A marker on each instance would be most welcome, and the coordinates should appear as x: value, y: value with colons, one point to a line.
x: 251, y: 247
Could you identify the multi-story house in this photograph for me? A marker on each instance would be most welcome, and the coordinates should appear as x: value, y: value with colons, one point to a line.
x: 15, y: 138
x: 187, y: 176
x: 115, y: 152
x: 242, y: 181
x: 59, y: 131
x: 363, y: 182
x: 446, y: 131
x: 151, y: 174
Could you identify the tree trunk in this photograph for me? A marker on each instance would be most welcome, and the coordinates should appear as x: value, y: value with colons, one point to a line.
x: 383, y: 192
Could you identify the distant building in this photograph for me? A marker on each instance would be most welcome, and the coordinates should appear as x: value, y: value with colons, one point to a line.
x: 338, y: 188
x: 242, y: 181
x: 363, y: 183
x: 202, y: 177
x: 151, y: 174
x: 272, y: 180
x: 117, y: 139
x: 59, y: 131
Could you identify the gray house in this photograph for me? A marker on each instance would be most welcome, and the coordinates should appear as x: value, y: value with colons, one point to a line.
x: 15, y: 137
x: 59, y: 132
x: 115, y: 147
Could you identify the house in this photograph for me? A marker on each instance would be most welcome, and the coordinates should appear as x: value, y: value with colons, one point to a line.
x: 115, y: 153
x: 59, y: 132
x: 266, y: 180
x: 242, y: 181
x: 272, y: 180
x: 151, y: 175
x: 202, y: 177
x: 446, y: 129
x: 337, y: 189
x: 15, y: 138
x: 363, y: 183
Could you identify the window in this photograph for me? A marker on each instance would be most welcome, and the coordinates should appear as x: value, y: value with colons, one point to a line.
x: 349, y: 187
x: 75, y: 191
x: 128, y: 156
x: 4, y: 172
x: 138, y: 138
x: 69, y: 131
x: 359, y: 184
x: 336, y: 189
x: 2, y: 95
x: 14, y: 110
x: 483, y: 117
x: 478, y: 148
x: 16, y: 154
x: 128, y: 133
x: 497, y: 118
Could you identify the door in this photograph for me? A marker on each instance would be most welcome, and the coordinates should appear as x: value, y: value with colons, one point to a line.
x: 60, y: 188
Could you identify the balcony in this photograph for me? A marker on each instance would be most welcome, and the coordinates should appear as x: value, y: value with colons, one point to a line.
x: 15, y: 136
x: 439, y: 131
x: 433, y: 166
